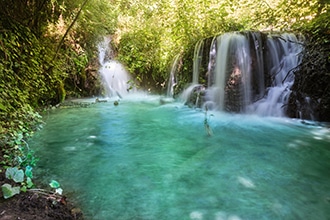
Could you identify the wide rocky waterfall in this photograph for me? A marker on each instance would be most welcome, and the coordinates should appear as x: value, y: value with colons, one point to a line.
x: 247, y: 72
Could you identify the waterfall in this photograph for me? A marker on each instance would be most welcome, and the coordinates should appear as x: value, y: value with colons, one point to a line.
x: 229, y: 46
x: 283, y: 57
x: 115, y: 77
x: 198, y: 56
x: 172, y: 81
x: 212, y: 61
x: 194, y: 90
x: 250, y: 72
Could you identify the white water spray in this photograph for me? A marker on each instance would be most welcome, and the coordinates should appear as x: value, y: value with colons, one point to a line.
x: 198, y: 56
x: 283, y: 58
x: 115, y: 77
x: 172, y: 81
x: 250, y: 72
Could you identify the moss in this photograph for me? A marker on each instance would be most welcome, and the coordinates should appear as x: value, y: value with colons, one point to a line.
x: 61, y: 92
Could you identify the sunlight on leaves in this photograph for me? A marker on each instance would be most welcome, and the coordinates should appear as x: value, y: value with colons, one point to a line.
x: 15, y: 174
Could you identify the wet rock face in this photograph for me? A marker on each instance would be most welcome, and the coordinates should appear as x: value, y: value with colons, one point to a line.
x: 197, y: 97
x: 233, y: 91
x: 310, y: 97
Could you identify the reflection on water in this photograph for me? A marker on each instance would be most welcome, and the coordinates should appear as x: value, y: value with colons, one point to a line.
x: 143, y: 160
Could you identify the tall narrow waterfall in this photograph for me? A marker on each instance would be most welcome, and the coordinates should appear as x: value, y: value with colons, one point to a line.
x: 251, y: 72
x: 195, y: 86
x: 172, y: 81
x: 198, y: 56
x: 116, y: 79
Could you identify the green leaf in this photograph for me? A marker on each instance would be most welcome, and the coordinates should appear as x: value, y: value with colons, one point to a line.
x: 23, y: 188
x: 29, y: 182
x: 9, y: 191
x: 15, y: 174
x: 54, y: 184
x: 2, y: 107
x: 28, y: 172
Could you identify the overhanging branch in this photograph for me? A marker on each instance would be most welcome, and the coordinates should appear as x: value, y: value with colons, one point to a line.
x: 69, y: 28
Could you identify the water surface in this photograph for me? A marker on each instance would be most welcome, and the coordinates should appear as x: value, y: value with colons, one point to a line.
x: 144, y: 160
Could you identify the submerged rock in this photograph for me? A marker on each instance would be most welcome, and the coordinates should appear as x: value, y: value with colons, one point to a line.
x: 100, y: 100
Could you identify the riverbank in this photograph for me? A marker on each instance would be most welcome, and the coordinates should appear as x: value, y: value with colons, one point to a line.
x: 31, y: 205
x: 28, y: 205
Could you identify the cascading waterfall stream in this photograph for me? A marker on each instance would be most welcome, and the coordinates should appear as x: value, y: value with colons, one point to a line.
x: 282, y: 60
x: 172, y: 81
x: 116, y: 78
x: 231, y: 44
x: 249, y: 72
x: 198, y: 56
x: 195, y: 87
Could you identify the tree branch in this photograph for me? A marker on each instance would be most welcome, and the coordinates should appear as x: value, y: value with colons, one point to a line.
x: 69, y: 28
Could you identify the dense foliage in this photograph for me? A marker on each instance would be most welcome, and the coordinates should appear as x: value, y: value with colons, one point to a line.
x: 151, y: 34
x: 45, y: 57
